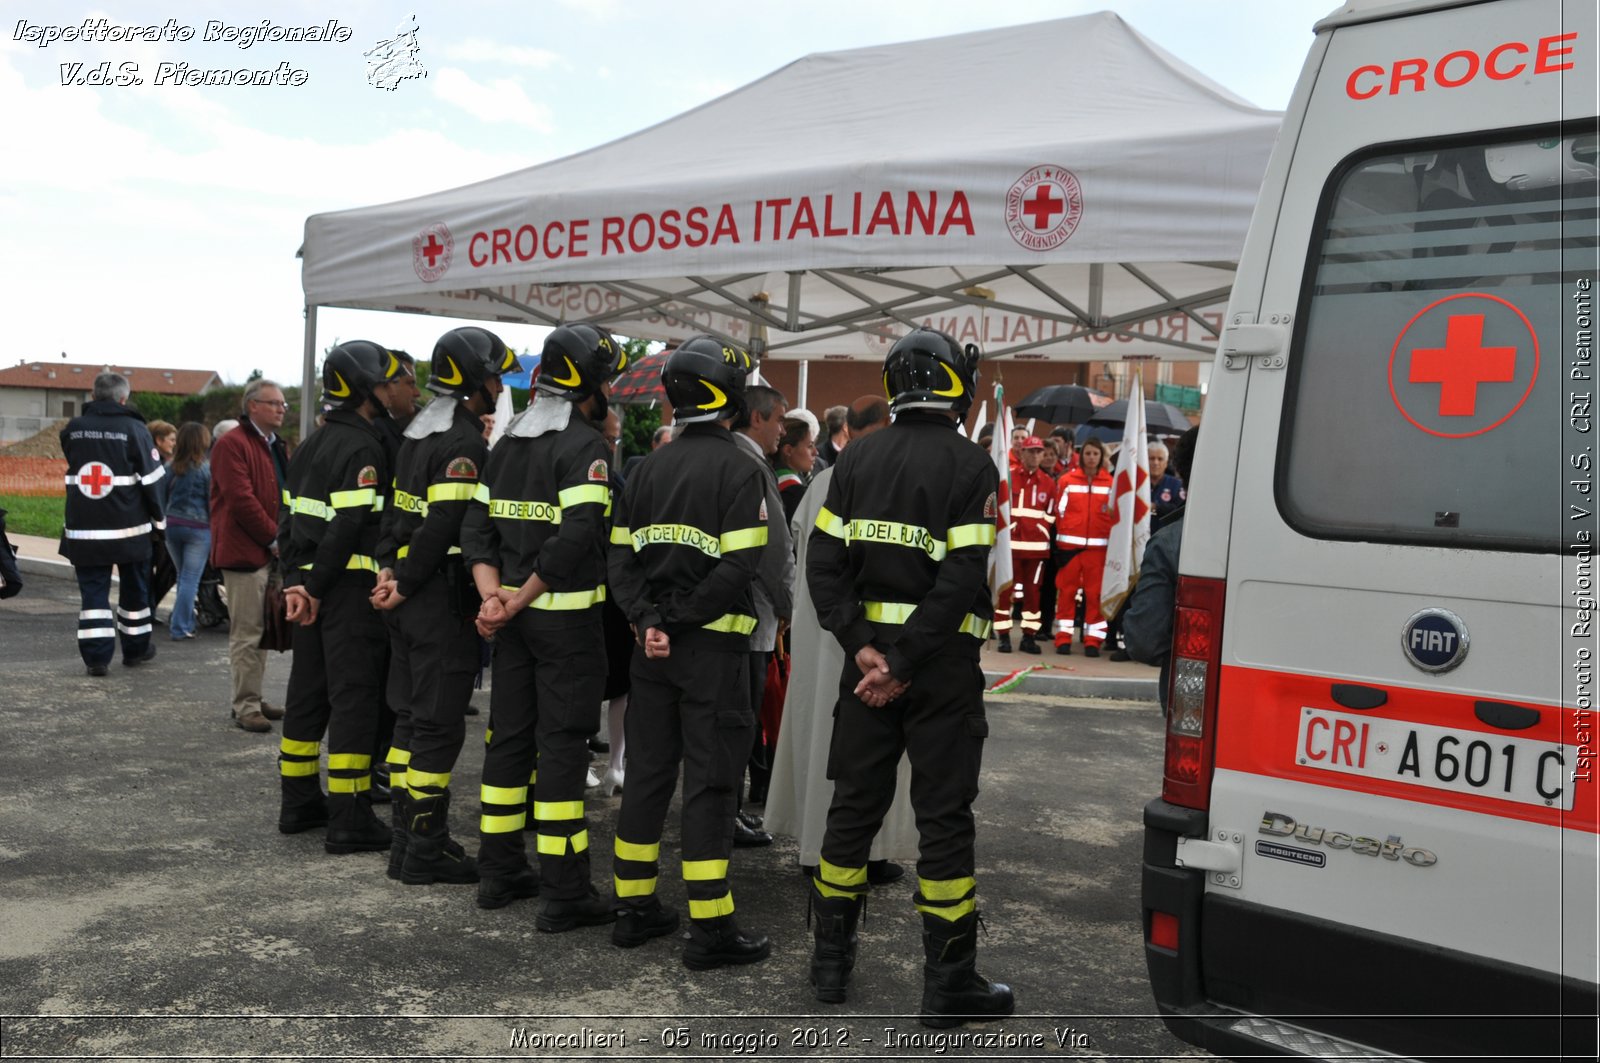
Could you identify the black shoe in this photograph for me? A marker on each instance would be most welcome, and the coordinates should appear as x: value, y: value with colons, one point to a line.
x: 470, y: 710
x: 1091, y: 651
x: 637, y: 924
x: 1005, y: 644
x: 598, y: 745
x: 1028, y: 645
x: 557, y: 917
x: 745, y: 838
x: 146, y: 657
x: 750, y: 819
x: 1121, y: 655
x: 431, y: 854
x: 719, y: 942
x: 501, y: 891
x: 302, y: 818
x: 96, y: 669
x: 373, y: 837
x: 1064, y: 650
x: 883, y: 872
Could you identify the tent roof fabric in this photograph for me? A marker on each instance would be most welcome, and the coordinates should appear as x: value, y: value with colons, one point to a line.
x: 849, y: 195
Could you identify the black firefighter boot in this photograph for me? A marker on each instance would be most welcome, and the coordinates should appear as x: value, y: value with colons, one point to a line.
x: 302, y: 806
x: 431, y: 854
x: 353, y: 827
x: 953, y: 992
x: 835, y: 953
x: 399, y: 830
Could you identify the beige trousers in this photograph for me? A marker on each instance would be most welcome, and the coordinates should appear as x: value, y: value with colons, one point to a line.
x: 247, y: 592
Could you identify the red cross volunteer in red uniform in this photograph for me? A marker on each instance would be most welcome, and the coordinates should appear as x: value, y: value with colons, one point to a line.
x: 1033, y: 526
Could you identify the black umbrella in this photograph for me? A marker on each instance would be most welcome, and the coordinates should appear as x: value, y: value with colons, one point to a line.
x: 1105, y: 433
x: 1159, y: 417
x: 1063, y: 404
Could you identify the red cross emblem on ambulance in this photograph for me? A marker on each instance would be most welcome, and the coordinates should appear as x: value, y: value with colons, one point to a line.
x: 95, y: 479
x: 1463, y: 365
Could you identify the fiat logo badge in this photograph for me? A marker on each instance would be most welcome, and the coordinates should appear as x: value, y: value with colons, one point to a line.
x: 1435, y: 640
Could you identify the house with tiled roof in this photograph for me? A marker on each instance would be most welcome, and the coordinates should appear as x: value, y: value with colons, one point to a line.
x: 34, y: 394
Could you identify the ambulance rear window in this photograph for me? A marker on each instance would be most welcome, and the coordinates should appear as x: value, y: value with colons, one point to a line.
x: 1438, y: 381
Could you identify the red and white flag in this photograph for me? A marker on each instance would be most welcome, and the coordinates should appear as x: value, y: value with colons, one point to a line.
x: 1130, y: 497
x: 1000, y: 451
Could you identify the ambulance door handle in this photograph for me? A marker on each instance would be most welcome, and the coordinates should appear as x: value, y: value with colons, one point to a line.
x: 1360, y: 698
x: 1505, y: 716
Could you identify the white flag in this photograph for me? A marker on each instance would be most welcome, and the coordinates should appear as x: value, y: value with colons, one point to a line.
x: 1000, y: 451
x: 1130, y: 495
x: 503, y: 412
x: 981, y: 420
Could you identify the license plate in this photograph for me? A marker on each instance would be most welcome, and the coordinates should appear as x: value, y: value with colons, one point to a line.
x: 1522, y: 770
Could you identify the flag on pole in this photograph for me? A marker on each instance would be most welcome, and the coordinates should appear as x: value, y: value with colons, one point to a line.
x: 503, y: 412
x: 1130, y: 498
x: 1000, y: 453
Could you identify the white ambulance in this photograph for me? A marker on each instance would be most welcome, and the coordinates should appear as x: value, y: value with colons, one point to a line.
x: 1377, y: 827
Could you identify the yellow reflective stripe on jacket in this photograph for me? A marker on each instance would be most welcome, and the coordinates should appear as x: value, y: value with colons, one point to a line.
x: 407, y: 502
x: 900, y: 612
x: 559, y: 601
x: 406, y: 549
x: 480, y: 493
x: 361, y: 496
x: 600, y: 494
x: 463, y: 492
x: 970, y: 535
x: 621, y: 536
x: 704, y: 870
x: 358, y: 563
x: 311, y: 507
x: 512, y: 509
x: 830, y: 523
x: 634, y: 851
x: 736, y: 623
x: 893, y: 533
x: 742, y: 539
x: 677, y: 535
x: 558, y: 810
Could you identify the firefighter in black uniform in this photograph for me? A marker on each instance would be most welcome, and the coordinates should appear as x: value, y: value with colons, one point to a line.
x: 897, y: 568
x: 685, y: 548
x: 327, y: 544
x: 535, y: 538
x: 113, y: 502
x: 431, y: 601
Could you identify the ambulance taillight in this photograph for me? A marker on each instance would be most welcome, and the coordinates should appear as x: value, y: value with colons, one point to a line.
x: 1192, y: 696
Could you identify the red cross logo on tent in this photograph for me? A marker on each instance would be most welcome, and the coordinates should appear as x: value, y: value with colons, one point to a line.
x: 1043, y: 207
x: 94, y: 479
x: 1449, y: 364
x: 431, y: 252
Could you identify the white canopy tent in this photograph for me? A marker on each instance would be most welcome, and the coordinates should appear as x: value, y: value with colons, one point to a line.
x: 1061, y: 190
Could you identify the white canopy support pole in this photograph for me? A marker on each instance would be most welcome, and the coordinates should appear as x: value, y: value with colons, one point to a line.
x: 805, y: 379
x: 793, y: 306
x: 308, y: 375
x: 1097, y: 290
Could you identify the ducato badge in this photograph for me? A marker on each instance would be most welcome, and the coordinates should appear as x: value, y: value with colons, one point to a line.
x: 1435, y: 640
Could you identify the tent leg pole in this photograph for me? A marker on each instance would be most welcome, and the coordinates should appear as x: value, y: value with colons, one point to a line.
x: 308, y: 375
x: 805, y: 379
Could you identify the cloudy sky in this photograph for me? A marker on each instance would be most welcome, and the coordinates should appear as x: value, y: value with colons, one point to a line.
x: 157, y: 224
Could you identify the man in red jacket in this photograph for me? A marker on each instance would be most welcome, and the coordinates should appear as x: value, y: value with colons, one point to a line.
x: 1033, y: 526
x: 247, y: 472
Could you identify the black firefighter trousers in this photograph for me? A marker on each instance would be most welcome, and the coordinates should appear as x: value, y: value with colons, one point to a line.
x: 939, y: 723
x: 548, y: 685
x: 693, y: 706
x: 334, y: 684
x: 433, y: 659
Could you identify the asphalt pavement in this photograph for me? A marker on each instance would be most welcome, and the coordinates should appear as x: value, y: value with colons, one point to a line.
x: 149, y: 907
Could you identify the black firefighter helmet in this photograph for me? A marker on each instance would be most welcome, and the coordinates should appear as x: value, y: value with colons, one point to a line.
x: 465, y: 358
x: 353, y: 369
x: 929, y: 369
x: 578, y: 358
x: 704, y: 379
